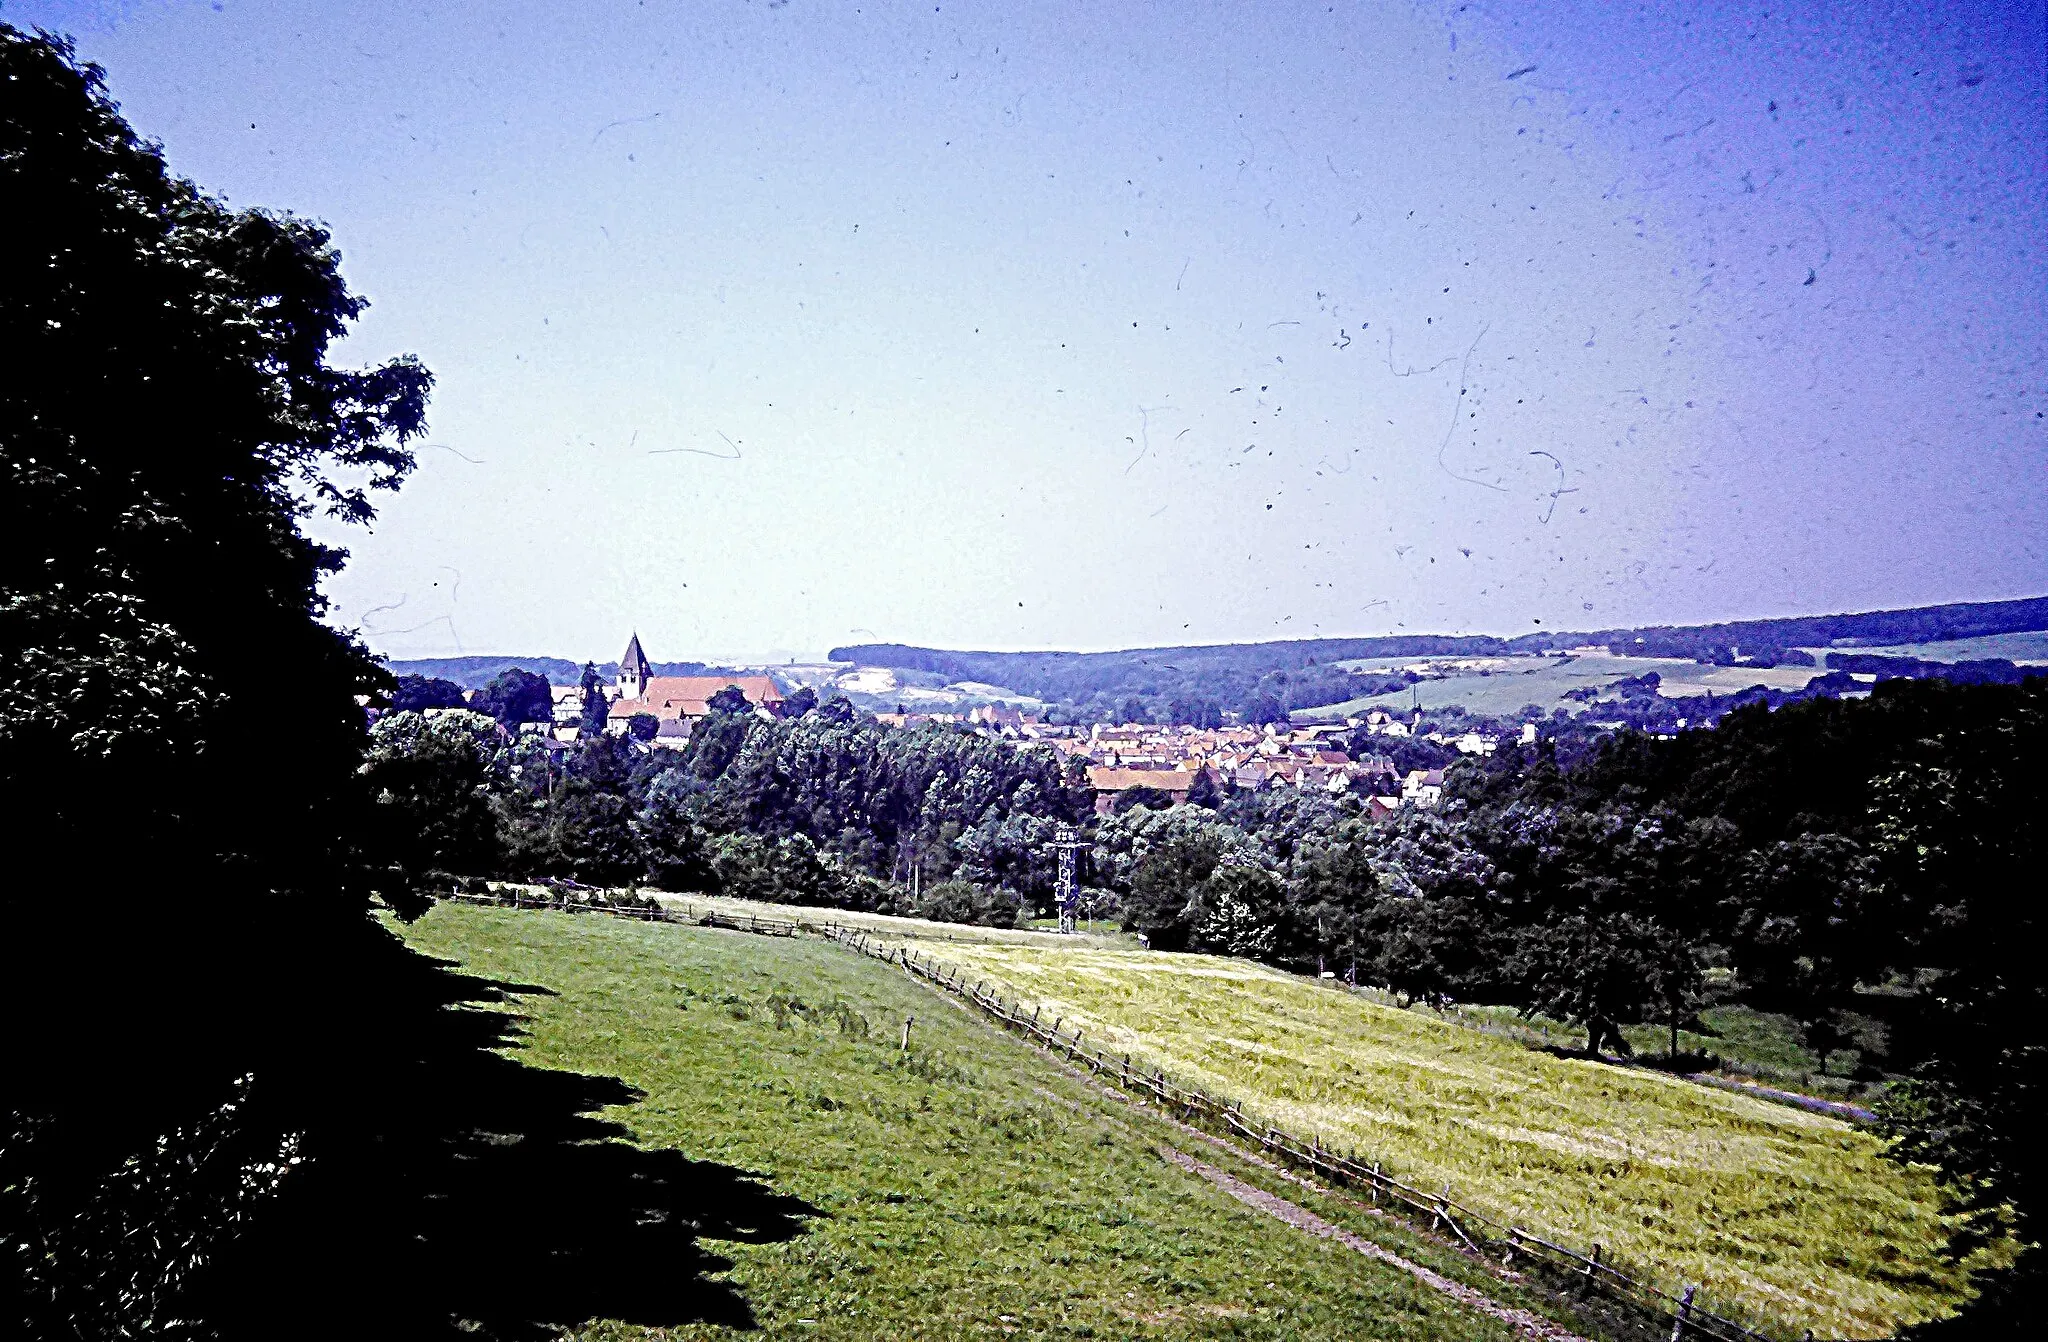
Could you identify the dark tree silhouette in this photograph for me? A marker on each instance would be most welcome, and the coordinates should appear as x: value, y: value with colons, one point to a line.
x: 516, y: 697
x: 417, y: 692
x: 591, y: 717
x: 731, y: 699
x: 287, y: 1103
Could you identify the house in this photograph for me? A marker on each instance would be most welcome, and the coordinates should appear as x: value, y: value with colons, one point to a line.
x: 1423, y: 787
x: 1110, y: 783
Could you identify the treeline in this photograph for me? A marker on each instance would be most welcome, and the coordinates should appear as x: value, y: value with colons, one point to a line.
x: 826, y: 808
x: 1986, y: 671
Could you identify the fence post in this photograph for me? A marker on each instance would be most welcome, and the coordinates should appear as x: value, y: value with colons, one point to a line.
x: 908, y: 1021
x: 1685, y: 1313
x: 1592, y: 1266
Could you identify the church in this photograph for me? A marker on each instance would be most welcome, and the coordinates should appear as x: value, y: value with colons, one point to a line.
x: 676, y: 701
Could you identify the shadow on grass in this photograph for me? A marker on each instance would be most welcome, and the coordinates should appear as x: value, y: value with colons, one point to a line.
x: 462, y: 1193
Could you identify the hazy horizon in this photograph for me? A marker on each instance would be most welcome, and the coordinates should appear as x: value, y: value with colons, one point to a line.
x: 761, y: 329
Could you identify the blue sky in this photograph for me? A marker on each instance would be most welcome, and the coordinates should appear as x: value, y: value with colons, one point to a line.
x: 762, y: 327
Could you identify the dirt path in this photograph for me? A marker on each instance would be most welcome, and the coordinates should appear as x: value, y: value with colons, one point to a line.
x: 1521, y: 1320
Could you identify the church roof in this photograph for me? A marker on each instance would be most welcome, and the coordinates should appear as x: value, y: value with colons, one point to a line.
x: 687, y: 696
x: 633, y: 661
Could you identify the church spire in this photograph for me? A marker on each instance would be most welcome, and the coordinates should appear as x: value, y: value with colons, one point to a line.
x: 634, y: 669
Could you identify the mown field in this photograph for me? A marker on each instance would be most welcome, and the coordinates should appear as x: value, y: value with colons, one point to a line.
x: 1793, y: 1215
x: 966, y: 1188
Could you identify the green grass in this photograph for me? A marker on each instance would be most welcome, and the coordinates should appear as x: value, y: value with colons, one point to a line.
x: 1791, y: 1215
x: 1753, y: 1045
x: 1042, y: 933
x: 968, y: 1188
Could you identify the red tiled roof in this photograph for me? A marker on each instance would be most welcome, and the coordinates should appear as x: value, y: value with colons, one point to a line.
x: 1118, y: 780
x: 686, y: 696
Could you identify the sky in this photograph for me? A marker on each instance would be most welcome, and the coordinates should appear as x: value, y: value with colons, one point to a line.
x: 761, y: 328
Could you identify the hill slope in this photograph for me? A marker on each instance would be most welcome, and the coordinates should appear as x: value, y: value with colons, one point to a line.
x: 967, y: 1187
x: 1301, y: 675
x: 1789, y: 1214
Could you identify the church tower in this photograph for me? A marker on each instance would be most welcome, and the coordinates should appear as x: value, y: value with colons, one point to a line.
x: 634, y: 669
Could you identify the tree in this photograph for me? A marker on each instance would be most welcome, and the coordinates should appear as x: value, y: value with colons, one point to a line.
x: 1960, y: 846
x: 966, y: 902
x: 430, y: 781
x: 591, y: 718
x: 1165, y: 899
x: 803, y: 701
x: 731, y: 699
x: 516, y: 697
x: 1602, y: 973
x: 167, y: 422
x: 1262, y: 709
x: 1241, y: 911
x: 643, y: 727
x: 1131, y: 798
x: 1334, y: 891
x: 1203, y: 792
x: 417, y: 692
x: 1805, y: 929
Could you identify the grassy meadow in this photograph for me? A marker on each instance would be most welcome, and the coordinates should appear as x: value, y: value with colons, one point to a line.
x: 1791, y: 1215
x: 966, y: 1188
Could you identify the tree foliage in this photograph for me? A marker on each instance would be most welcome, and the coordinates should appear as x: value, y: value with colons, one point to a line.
x: 415, y: 693
x: 516, y: 697
x: 168, y: 421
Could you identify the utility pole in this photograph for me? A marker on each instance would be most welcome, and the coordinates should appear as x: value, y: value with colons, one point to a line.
x: 1066, y: 889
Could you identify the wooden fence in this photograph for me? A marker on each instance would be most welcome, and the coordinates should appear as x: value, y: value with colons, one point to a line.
x: 1481, y: 1235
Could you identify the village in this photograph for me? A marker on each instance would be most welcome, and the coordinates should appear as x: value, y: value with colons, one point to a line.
x: 1155, y: 762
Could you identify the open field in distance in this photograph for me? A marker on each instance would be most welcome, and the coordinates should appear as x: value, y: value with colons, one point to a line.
x: 890, y: 925
x: 2022, y: 648
x: 1503, y: 686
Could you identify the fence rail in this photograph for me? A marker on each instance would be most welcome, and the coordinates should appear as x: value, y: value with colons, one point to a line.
x: 1481, y: 1235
